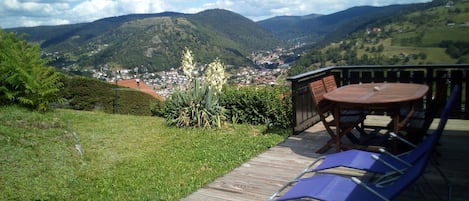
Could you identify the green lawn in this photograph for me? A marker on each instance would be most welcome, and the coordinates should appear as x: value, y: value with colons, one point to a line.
x: 435, y: 55
x: 432, y: 38
x: 123, y: 157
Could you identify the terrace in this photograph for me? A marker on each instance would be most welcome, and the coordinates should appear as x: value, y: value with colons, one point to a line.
x: 305, y: 114
x: 258, y: 178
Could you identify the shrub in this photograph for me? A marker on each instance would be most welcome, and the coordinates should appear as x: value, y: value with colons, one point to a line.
x: 197, y: 107
x: 24, y: 77
x: 206, y: 104
x: 158, y: 108
x: 258, y: 105
x: 84, y: 93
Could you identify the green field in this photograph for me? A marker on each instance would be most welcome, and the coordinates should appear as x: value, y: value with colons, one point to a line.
x: 73, y: 155
x: 435, y: 36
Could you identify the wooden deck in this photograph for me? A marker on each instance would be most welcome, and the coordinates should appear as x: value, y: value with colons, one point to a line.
x: 258, y: 178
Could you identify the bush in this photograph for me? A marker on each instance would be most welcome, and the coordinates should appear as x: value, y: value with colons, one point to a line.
x: 209, y: 105
x: 89, y: 94
x: 24, y: 77
x: 250, y: 105
x: 265, y: 105
x: 158, y: 108
x: 198, y: 104
x: 197, y: 107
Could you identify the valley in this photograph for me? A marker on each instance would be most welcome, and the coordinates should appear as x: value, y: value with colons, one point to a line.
x: 149, y: 46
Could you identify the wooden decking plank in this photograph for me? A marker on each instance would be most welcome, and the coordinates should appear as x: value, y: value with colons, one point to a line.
x: 206, y: 194
x: 261, y: 176
x: 246, y: 189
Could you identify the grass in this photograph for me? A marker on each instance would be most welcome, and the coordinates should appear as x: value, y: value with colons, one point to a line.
x: 432, y: 38
x: 123, y: 157
x: 435, y: 55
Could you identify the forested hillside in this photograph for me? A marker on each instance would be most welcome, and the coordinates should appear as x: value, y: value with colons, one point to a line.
x: 313, y: 28
x: 152, y: 42
x: 424, y: 33
x: 435, y: 35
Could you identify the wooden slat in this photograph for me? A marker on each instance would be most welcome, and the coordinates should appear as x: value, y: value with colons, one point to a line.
x: 258, y: 178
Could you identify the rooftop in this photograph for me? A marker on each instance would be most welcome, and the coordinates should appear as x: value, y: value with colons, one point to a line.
x: 139, y: 85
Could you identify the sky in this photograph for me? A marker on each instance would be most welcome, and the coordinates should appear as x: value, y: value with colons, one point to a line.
x: 27, y: 13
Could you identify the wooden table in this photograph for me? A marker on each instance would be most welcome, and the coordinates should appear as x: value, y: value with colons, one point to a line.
x: 389, y: 97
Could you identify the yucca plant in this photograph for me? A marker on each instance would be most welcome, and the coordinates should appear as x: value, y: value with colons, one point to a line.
x: 198, y: 104
x: 197, y: 107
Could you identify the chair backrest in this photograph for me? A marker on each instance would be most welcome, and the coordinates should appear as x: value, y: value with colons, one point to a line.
x: 329, y: 83
x: 428, y: 144
x: 317, y: 91
x: 405, y: 180
x: 441, y: 92
x: 435, y: 105
x: 447, y: 109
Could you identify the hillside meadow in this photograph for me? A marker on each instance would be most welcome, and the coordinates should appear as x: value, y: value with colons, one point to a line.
x: 77, y: 155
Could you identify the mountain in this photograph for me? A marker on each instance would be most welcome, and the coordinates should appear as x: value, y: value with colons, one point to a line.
x: 293, y: 28
x: 315, y: 28
x: 152, y: 42
x: 431, y: 33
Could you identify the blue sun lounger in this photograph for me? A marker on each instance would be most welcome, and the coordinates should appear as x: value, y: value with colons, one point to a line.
x: 339, y: 188
x: 386, y: 164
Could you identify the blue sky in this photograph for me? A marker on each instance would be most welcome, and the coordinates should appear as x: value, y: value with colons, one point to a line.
x: 20, y: 13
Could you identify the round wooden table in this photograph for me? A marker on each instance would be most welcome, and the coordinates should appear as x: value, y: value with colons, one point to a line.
x: 388, y: 97
x: 376, y: 94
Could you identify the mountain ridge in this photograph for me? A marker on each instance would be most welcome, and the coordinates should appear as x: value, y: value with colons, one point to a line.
x: 152, y: 41
x: 315, y: 28
x: 433, y: 33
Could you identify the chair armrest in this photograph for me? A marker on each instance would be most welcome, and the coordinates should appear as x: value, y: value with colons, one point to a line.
x: 393, y: 135
x: 360, y: 183
x: 395, y: 157
x: 386, y: 163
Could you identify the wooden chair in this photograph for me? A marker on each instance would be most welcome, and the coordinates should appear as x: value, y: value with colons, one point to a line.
x: 419, y: 123
x: 329, y: 83
x: 324, y: 108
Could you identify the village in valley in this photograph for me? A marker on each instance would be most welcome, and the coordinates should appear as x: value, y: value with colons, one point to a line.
x: 269, y: 70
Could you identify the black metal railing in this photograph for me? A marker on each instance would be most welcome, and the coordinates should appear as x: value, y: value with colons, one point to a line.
x: 435, y: 76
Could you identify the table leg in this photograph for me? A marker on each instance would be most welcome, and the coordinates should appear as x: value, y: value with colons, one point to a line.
x: 395, y: 128
x: 396, y: 120
x: 398, y: 124
x: 408, y: 116
x: 337, y: 132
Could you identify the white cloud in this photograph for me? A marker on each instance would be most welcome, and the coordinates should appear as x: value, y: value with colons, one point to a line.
x: 96, y: 9
x: 260, y: 9
x: 91, y: 10
x: 14, y: 13
x: 140, y: 6
x: 34, y: 22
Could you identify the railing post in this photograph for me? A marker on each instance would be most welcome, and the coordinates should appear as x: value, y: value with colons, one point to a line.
x: 294, y: 84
